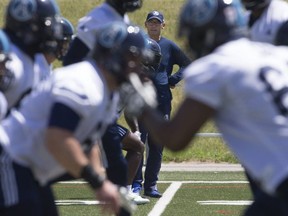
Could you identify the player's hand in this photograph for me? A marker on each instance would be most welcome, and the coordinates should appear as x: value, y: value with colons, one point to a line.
x: 137, y: 134
x: 110, y: 196
x: 138, y: 95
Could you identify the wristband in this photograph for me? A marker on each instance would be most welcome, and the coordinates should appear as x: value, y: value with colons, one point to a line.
x: 94, y: 179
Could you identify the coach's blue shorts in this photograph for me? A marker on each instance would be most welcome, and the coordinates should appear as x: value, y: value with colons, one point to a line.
x: 20, y: 193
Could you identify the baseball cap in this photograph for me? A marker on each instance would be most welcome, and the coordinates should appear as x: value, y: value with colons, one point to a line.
x: 155, y: 15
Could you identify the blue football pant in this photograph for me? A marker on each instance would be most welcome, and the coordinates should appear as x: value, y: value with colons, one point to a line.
x: 117, y: 164
x: 265, y: 204
x: 20, y: 193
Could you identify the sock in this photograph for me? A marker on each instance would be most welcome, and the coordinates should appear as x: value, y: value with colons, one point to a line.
x: 129, y: 188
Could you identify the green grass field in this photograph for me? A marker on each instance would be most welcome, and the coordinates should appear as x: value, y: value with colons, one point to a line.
x: 196, y: 194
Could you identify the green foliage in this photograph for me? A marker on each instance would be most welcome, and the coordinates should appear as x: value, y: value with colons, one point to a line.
x: 204, y: 149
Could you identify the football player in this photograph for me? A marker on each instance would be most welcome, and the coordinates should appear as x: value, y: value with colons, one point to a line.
x: 52, y: 132
x: 240, y: 84
x: 265, y: 18
x: 33, y: 27
x: 63, y: 43
x: 110, y: 10
x: 5, y: 50
x: 46, y: 59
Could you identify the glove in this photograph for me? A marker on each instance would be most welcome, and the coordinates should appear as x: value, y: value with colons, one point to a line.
x: 137, y: 134
x: 138, y: 95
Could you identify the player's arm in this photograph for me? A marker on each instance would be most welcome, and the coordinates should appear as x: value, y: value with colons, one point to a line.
x: 96, y: 158
x: 132, y: 122
x: 177, y: 133
x: 66, y: 149
x: 78, y: 50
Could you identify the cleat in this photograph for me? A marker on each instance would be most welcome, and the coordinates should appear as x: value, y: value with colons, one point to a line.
x: 137, y: 199
x: 152, y: 193
x: 136, y: 190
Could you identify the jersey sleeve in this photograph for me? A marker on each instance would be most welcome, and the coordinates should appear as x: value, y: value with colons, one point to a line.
x: 62, y: 116
x: 74, y: 96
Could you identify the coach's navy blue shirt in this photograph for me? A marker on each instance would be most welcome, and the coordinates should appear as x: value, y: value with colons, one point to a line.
x: 171, y: 55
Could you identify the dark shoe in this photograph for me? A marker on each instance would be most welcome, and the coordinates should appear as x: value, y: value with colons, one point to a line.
x: 152, y: 193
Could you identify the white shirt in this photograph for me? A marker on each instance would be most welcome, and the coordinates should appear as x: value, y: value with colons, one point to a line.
x: 89, y: 24
x: 79, y: 86
x: 266, y: 27
x: 236, y: 85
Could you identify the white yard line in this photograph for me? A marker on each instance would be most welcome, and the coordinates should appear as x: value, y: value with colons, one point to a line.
x: 207, y: 182
x: 225, y: 202
x: 165, y: 199
x: 169, y: 182
x: 77, y: 202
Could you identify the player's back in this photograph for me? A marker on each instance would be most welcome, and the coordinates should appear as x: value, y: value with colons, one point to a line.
x: 247, y: 84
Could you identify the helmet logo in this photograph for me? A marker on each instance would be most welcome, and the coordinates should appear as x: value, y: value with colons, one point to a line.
x: 114, y: 36
x: 200, y: 11
x: 22, y: 10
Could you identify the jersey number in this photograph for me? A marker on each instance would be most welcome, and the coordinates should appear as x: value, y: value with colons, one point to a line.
x: 277, y: 87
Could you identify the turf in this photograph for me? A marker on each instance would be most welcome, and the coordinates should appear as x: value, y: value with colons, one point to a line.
x: 184, y: 203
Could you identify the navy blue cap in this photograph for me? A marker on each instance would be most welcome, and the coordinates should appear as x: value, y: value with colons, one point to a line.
x: 155, y: 15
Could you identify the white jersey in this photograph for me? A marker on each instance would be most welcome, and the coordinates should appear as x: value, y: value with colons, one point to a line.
x: 3, y: 106
x: 41, y: 67
x: 89, y: 24
x: 79, y: 86
x: 245, y: 88
x: 266, y: 27
x: 23, y: 77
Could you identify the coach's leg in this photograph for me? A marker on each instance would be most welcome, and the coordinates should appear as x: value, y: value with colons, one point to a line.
x: 154, y: 160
